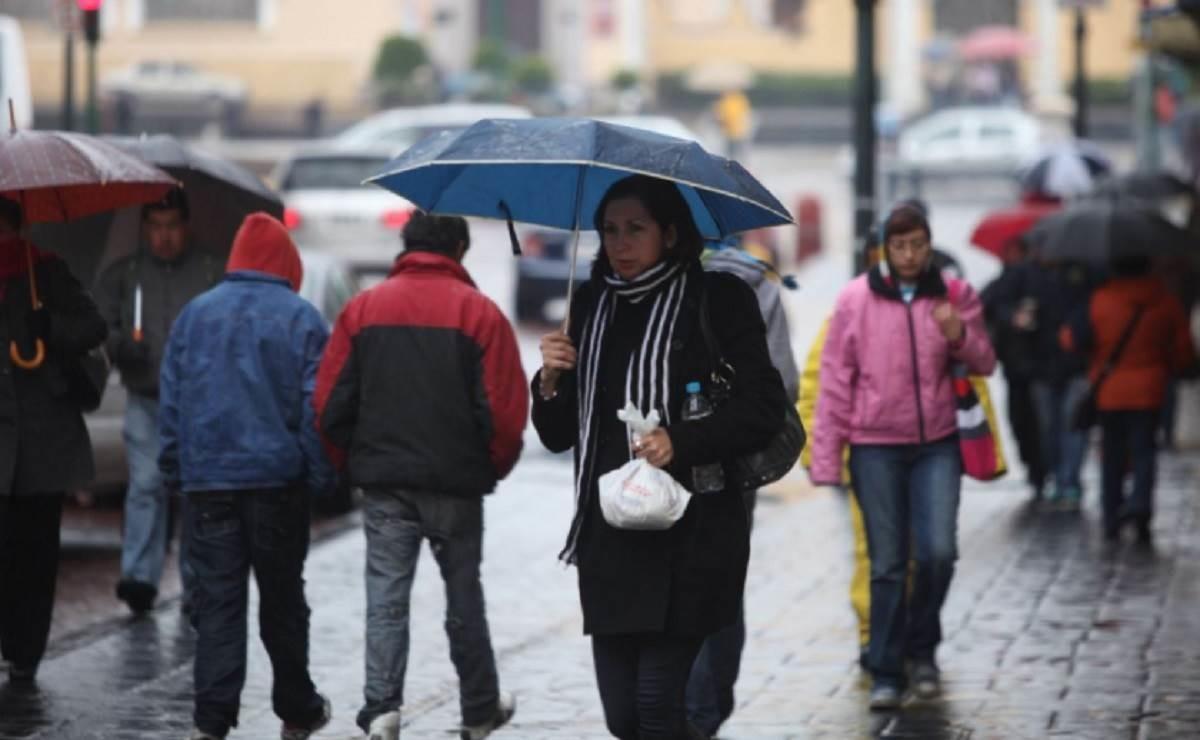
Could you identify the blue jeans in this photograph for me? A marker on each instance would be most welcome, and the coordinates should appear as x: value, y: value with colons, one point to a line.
x: 144, y: 543
x: 396, y: 523
x: 233, y: 532
x: 1063, y: 447
x: 642, y: 680
x: 1128, y: 444
x: 907, y: 492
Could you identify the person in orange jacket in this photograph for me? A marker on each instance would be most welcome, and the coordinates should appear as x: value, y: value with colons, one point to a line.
x: 1129, y: 400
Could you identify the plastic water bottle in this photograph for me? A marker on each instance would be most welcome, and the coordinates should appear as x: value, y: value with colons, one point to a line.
x: 705, y: 478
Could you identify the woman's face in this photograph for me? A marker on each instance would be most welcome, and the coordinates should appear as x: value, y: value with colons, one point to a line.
x: 633, y: 241
x: 909, y: 254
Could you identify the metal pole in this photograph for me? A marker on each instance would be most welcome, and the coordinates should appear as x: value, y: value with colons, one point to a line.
x: 93, y: 117
x: 68, y: 101
x: 1081, y: 91
x: 864, y: 132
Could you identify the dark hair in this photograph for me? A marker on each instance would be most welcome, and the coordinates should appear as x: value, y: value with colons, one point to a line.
x: 917, y: 203
x: 903, y: 219
x: 1131, y: 266
x: 666, y: 206
x: 12, y: 213
x: 174, y: 200
x: 429, y: 232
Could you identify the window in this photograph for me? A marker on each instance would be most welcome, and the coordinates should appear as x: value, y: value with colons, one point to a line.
x: 993, y: 133
x: 331, y: 173
x: 34, y: 10
x: 964, y: 16
x: 789, y: 15
x: 201, y: 10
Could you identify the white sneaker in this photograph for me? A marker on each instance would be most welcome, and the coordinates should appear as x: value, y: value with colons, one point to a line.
x: 506, y: 707
x: 385, y: 727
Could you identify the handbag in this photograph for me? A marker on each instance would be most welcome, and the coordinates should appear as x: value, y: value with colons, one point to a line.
x: 757, y: 469
x: 979, y: 446
x: 1086, y: 412
x: 87, y: 377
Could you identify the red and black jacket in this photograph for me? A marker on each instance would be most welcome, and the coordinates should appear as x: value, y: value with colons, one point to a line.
x: 421, y: 386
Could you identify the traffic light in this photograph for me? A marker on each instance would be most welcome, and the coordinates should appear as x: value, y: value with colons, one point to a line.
x: 91, y: 19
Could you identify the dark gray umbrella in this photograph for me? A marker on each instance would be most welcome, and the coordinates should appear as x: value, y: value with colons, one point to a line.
x: 1150, y: 186
x: 1101, y: 231
x: 220, y: 195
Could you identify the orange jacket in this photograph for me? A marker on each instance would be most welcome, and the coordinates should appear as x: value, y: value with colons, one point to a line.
x: 1160, y: 348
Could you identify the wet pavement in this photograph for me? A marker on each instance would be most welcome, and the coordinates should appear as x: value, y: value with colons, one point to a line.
x: 1050, y: 633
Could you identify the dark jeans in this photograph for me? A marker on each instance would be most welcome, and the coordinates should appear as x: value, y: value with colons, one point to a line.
x: 396, y: 522
x: 1063, y: 446
x: 907, y: 492
x: 1022, y: 416
x: 1129, y: 443
x: 230, y: 533
x: 642, y: 680
x: 29, y: 538
x: 710, y: 697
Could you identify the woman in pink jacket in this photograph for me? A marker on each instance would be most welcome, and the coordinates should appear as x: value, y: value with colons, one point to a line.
x: 886, y: 391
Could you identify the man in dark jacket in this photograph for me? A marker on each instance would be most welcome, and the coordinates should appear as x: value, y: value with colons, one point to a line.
x: 44, y: 445
x: 239, y: 439
x: 422, y: 395
x: 140, y: 296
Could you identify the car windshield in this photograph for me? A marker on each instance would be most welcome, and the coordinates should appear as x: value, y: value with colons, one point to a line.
x: 331, y: 173
x: 400, y: 137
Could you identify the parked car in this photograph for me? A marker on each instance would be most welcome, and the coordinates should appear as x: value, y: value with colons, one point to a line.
x: 14, y: 72
x: 329, y: 209
x: 154, y: 91
x: 976, y: 138
x: 328, y: 285
x: 400, y: 128
x: 544, y: 268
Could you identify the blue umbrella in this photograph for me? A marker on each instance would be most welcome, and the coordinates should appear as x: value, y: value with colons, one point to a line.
x: 554, y: 172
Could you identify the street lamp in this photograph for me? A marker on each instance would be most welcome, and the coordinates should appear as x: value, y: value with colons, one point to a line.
x: 865, y: 93
x: 91, y: 33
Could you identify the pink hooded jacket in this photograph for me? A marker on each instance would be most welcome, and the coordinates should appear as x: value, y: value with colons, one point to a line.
x: 885, y: 368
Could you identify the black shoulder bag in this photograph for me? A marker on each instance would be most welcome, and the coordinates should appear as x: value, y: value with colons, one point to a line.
x: 771, y: 463
x: 1085, y: 414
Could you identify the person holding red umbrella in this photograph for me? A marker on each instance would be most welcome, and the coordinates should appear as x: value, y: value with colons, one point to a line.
x: 47, y: 324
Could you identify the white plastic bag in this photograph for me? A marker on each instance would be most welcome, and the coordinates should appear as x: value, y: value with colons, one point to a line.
x: 638, y: 495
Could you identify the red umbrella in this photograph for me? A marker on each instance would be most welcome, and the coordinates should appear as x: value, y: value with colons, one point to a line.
x: 994, y: 44
x: 1000, y: 229
x: 59, y: 176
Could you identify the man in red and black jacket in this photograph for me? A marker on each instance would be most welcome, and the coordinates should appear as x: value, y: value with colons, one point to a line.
x: 422, y: 400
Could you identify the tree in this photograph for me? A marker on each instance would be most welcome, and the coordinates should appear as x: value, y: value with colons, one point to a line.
x: 624, y: 79
x: 491, y: 57
x: 398, y: 60
x: 534, y: 75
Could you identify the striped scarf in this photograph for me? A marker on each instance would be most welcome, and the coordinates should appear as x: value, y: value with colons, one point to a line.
x: 648, y: 373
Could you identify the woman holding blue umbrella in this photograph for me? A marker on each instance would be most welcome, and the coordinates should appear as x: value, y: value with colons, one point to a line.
x: 650, y: 597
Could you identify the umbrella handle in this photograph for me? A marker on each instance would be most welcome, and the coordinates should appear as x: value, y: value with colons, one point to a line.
x: 39, y: 355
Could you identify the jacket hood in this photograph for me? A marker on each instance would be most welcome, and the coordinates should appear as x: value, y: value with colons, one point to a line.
x: 750, y: 270
x: 263, y: 245
x: 929, y: 285
x: 414, y: 261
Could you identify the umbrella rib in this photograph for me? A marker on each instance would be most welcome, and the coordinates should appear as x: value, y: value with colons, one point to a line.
x: 578, y: 163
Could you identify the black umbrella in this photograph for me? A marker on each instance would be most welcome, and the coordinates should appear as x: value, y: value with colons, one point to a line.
x: 1150, y: 186
x: 220, y: 195
x: 1101, y: 231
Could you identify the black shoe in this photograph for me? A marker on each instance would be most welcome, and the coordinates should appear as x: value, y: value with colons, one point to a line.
x: 23, y: 675
x: 1145, y: 536
x: 139, y: 596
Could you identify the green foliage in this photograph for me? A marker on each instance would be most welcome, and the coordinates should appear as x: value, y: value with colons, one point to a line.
x: 1110, y: 91
x: 491, y: 57
x: 770, y: 89
x: 533, y: 75
x: 624, y: 79
x: 399, y: 58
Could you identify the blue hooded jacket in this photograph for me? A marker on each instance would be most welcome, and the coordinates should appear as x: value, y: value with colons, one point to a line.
x: 235, y: 401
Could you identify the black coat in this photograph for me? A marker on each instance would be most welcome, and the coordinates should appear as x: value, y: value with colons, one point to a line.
x: 44, y: 445
x: 688, y: 579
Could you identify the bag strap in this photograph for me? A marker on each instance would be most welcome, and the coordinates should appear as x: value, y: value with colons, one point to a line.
x: 722, y: 373
x: 1111, y: 363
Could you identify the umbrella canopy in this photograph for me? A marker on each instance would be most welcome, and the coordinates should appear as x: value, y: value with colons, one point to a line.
x: 1067, y: 172
x: 554, y: 172
x: 60, y: 176
x: 994, y: 44
x: 999, y: 229
x: 1098, y: 232
x: 1149, y: 186
x: 220, y: 195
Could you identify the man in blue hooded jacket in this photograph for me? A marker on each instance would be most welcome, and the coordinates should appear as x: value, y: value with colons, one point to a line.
x: 239, y: 438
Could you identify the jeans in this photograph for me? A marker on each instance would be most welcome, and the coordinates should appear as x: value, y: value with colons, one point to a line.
x: 642, y: 680
x: 29, y: 539
x: 1063, y: 447
x: 1023, y: 417
x: 710, y: 697
x: 1128, y: 443
x: 907, y: 491
x: 396, y: 522
x: 231, y: 533
x: 144, y: 543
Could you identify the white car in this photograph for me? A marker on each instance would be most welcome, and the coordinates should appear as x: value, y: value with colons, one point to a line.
x: 983, y: 138
x: 400, y: 128
x: 172, y: 89
x: 665, y: 125
x: 329, y: 209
